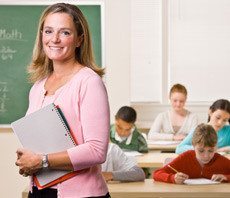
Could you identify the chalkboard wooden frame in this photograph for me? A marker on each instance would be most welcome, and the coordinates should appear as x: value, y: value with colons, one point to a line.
x: 13, y: 78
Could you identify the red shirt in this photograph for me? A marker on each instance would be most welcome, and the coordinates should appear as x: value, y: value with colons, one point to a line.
x: 188, y: 164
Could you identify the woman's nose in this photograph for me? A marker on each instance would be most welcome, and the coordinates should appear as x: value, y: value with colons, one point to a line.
x: 55, y: 37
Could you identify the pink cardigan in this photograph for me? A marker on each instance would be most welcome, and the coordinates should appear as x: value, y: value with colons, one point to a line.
x: 84, y: 102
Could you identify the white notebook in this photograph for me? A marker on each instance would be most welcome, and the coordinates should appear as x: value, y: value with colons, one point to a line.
x: 200, y: 181
x: 162, y: 142
x: 45, y: 131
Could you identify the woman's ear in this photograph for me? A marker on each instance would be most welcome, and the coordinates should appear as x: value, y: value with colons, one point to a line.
x: 79, y: 40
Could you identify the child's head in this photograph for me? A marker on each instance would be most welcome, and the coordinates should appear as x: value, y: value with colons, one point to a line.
x: 219, y: 113
x: 204, y: 142
x: 124, y: 120
x: 178, y: 96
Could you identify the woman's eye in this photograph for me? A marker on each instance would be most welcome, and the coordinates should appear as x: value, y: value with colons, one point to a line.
x: 66, y: 33
x: 48, y: 31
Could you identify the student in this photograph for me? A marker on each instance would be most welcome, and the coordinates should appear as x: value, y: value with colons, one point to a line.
x: 219, y: 115
x: 202, y: 162
x: 119, y: 167
x: 64, y: 72
x: 175, y: 123
x: 125, y: 134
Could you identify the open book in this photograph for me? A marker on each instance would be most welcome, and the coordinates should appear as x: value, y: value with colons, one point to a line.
x: 200, y: 181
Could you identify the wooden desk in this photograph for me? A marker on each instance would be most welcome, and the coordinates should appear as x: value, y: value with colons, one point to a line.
x: 148, y: 189
x: 153, y: 160
x: 156, y: 160
x: 152, y: 189
x: 162, y: 147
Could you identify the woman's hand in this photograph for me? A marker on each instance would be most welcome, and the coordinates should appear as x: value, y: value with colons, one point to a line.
x: 180, y: 177
x: 218, y: 177
x: 28, y: 162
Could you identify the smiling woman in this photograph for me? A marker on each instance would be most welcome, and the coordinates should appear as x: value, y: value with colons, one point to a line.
x: 18, y: 26
x: 60, y: 42
x: 64, y: 72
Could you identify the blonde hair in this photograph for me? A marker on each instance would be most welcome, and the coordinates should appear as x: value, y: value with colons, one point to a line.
x: 178, y: 88
x: 41, y: 66
x: 204, y: 134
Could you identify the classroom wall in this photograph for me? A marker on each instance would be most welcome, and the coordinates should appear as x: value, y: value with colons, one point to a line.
x: 11, y: 183
x: 118, y: 59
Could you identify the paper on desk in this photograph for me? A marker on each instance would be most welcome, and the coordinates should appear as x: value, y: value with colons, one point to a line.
x: 200, y: 181
x: 163, y: 142
x: 132, y: 153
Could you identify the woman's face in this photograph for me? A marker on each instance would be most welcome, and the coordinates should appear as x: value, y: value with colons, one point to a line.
x: 177, y: 100
x: 218, y: 118
x: 59, y: 37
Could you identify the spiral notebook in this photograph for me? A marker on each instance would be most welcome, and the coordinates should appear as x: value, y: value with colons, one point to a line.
x: 45, y: 131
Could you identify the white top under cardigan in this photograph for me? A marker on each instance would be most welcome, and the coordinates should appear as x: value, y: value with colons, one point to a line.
x: 162, y: 128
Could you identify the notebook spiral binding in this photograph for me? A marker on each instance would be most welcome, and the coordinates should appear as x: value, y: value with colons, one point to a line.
x: 64, y: 122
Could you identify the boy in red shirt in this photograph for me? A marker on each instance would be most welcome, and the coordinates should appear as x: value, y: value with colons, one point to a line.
x: 202, y: 162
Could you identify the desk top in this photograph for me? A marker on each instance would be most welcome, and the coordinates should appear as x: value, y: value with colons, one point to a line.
x: 153, y: 159
x: 162, y: 145
x: 156, y: 160
x: 148, y: 189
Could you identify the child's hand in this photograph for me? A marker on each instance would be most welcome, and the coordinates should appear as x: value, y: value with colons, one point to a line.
x: 218, y: 177
x: 108, y: 176
x: 180, y: 177
x: 179, y: 137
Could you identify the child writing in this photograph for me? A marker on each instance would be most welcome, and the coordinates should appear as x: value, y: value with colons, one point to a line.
x: 119, y: 167
x: 125, y: 134
x: 219, y: 115
x: 175, y: 123
x: 202, y: 162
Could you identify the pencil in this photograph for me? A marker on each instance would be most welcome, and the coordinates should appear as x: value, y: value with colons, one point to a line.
x: 173, y: 168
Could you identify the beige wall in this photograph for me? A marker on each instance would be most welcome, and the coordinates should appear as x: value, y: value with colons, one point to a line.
x: 11, y: 183
x: 117, y: 48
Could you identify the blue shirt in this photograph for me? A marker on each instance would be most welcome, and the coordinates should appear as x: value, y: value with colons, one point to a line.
x: 223, y: 140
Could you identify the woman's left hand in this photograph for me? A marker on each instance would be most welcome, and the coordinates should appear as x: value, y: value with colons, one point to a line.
x: 28, y: 162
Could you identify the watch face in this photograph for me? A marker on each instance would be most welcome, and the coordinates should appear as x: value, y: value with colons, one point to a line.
x: 45, y: 163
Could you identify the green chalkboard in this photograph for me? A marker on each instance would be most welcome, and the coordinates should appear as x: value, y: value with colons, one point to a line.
x: 18, y: 27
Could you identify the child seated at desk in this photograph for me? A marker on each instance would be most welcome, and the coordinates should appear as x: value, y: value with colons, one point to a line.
x: 125, y: 134
x: 119, y: 167
x: 175, y: 123
x: 219, y: 119
x: 202, y: 162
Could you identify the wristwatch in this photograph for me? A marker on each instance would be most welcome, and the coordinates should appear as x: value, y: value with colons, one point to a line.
x: 45, y: 163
